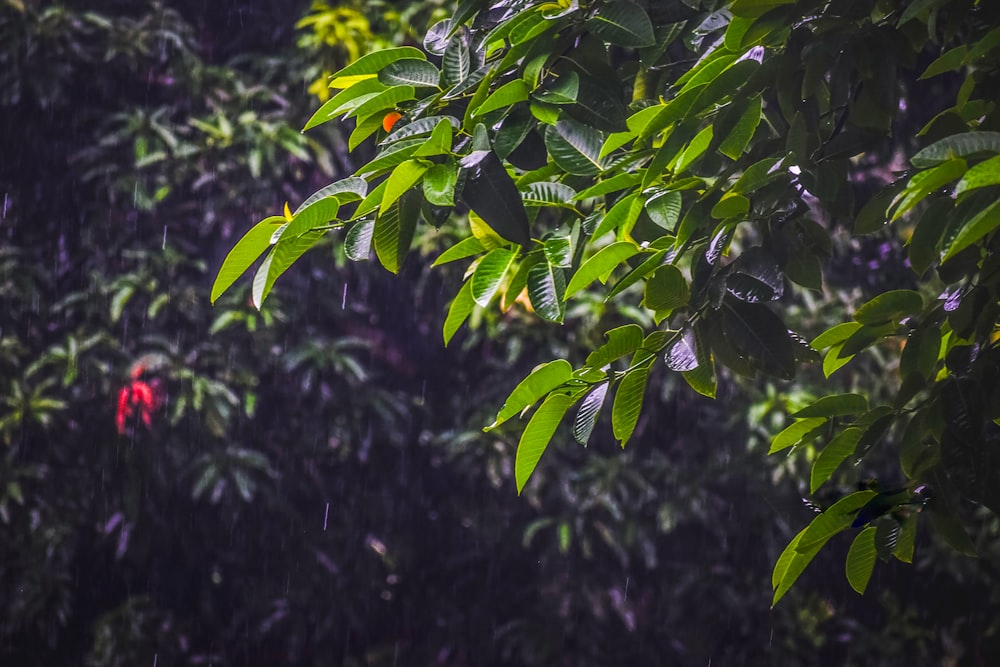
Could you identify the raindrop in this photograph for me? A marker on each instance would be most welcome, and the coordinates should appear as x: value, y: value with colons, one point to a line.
x: 326, y: 516
x: 164, y: 247
x: 343, y: 298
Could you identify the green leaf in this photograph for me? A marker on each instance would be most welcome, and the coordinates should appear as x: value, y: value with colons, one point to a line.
x: 683, y: 354
x: 344, y: 101
x: 903, y: 550
x: 564, y: 89
x: 538, y: 433
x: 416, y: 72
x: 459, y: 310
x: 284, y: 254
x: 546, y: 288
x: 833, y: 361
x: 666, y: 289
x: 542, y: 380
x: 920, y: 355
x: 492, y: 194
x: 467, y: 247
x: 246, y: 251
x: 739, y: 137
x: 547, y: 193
x: 694, y: 150
x: 924, y: 183
x: 393, y: 155
x: 838, y: 333
x: 974, y: 230
x: 510, y: 93
x: 373, y: 63
x: 621, y: 341
x: 758, y: 336
x: 750, y: 9
x: 835, y: 405
x: 730, y: 206
x: 363, y: 130
x: 490, y: 273
x: 439, y: 184
x: 861, y: 559
x: 622, y: 216
x: 841, y: 447
x: 590, y: 410
x: 628, y: 402
x: 439, y: 142
x: 602, y: 263
x: 949, y: 61
x: 795, y: 432
x: 622, y: 23
x: 873, y: 215
x: 457, y: 60
x: 358, y: 241
x: 790, y: 564
x: 344, y: 190
x: 664, y: 209
x: 702, y: 378
x: 426, y: 125
x: 758, y: 175
x: 609, y: 186
x: 393, y: 234
x: 983, y: 174
x: 558, y: 250
x: 891, y: 306
x: 836, y: 518
x: 575, y: 147
x: 383, y: 102
x: 957, y: 146
x: 402, y: 178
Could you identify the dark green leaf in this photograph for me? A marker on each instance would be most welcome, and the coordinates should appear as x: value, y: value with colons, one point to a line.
x: 590, y: 410
x: 416, y: 72
x: 575, y: 147
x: 622, y: 23
x: 492, y: 194
x: 358, y: 242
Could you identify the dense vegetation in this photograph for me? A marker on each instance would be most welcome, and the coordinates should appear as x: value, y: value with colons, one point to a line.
x: 309, y: 483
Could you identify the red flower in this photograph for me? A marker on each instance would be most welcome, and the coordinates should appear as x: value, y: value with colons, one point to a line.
x: 137, y: 397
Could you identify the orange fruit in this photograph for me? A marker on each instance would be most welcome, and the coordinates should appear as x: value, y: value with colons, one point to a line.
x: 390, y: 119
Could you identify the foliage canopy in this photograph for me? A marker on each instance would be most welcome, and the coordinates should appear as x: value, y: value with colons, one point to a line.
x: 691, y: 160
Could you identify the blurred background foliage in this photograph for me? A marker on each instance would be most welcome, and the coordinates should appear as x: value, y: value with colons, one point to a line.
x: 315, y: 487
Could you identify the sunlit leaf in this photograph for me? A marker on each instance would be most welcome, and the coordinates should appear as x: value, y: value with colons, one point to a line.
x: 542, y: 380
